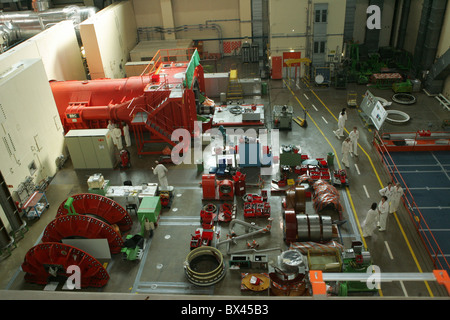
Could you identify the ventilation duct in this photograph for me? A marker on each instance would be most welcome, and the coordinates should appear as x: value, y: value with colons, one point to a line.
x: 22, y: 25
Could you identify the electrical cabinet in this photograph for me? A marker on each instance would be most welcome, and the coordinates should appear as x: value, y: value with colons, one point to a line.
x: 91, y: 148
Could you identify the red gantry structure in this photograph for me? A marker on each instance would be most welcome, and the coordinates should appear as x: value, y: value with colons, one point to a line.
x: 165, y: 97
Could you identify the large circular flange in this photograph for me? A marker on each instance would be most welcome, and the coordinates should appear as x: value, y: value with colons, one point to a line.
x: 405, y: 117
x: 204, y: 266
x: 404, y: 98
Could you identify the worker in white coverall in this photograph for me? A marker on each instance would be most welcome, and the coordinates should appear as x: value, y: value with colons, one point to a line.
x: 341, y: 124
x: 110, y: 126
x: 387, y: 191
x: 346, y: 148
x: 396, y: 195
x: 354, y: 136
x: 383, y: 212
x: 126, y: 134
x: 370, y: 223
x: 117, y: 135
x: 161, y: 171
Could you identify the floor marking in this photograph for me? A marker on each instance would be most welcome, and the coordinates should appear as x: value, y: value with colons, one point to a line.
x: 357, y: 169
x: 408, y: 244
x: 315, y: 107
x: 404, y: 289
x: 367, y: 193
x: 325, y: 120
x: 306, y: 96
x: 389, y: 250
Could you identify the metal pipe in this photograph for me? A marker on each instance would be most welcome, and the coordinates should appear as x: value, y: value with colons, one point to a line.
x: 21, y: 25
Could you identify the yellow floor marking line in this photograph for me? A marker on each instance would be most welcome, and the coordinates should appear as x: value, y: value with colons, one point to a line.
x: 381, y: 184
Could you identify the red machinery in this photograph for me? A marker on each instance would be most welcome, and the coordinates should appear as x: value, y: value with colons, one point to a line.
x: 256, y: 206
x: 202, y: 237
x: 214, y: 189
x: 226, y: 212
x: 340, y: 178
x: 158, y: 101
x: 80, y: 226
x: 51, y: 259
x: 207, y: 216
x: 101, y: 207
x: 124, y: 159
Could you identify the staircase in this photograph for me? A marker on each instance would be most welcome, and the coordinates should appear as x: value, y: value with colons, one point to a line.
x: 234, y: 91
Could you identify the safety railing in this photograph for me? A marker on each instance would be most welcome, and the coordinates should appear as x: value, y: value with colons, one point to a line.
x: 424, y: 231
x: 422, y: 140
x: 167, y: 56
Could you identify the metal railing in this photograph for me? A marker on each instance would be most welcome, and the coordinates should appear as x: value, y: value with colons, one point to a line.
x: 167, y: 56
x: 424, y: 231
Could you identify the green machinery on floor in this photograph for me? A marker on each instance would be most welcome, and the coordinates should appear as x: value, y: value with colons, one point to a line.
x: 355, y: 260
x: 148, y: 215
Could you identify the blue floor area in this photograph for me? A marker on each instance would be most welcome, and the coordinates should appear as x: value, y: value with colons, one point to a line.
x: 427, y: 175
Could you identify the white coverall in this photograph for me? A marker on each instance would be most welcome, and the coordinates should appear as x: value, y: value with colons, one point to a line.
x: 117, y: 137
x: 386, y: 191
x: 396, y: 195
x: 383, y: 210
x: 370, y: 223
x: 126, y: 134
x: 110, y: 126
x: 354, y: 136
x: 341, y: 124
x: 161, y: 171
x: 346, y: 147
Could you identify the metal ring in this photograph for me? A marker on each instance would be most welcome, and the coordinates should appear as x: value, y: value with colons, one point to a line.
x: 405, y: 116
x: 209, y: 277
x: 404, y: 98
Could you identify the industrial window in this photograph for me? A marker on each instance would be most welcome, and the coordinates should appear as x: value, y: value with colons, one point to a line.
x: 321, y: 16
x: 319, y: 46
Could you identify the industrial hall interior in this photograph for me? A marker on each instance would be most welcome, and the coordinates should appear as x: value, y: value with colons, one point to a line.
x: 240, y: 149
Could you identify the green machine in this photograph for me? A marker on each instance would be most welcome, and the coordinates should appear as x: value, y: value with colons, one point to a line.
x: 356, y: 260
x: 405, y: 86
x: 148, y: 215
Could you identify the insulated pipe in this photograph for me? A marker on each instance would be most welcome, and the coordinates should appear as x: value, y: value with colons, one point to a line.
x: 22, y: 25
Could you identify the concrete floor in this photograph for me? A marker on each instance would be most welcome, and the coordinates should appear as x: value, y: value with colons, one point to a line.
x: 160, y: 274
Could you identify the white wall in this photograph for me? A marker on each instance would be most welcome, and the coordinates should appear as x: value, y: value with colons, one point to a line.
x: 288, y: 24
x: 108, y: 38
x: 232, y: 16
x: 57, y: 47
x: 30, y: 127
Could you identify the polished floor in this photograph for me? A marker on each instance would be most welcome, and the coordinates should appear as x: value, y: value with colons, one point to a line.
x: 161, y: 275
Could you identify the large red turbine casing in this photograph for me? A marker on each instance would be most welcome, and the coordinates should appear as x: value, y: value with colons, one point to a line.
x: 159, y: 99
x: 99, y: 206
x: 82, y: 226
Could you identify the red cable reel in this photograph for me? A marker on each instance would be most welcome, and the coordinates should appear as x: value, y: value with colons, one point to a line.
x: 81, y: 226
x: 100, y: 206
x: 50, y: 259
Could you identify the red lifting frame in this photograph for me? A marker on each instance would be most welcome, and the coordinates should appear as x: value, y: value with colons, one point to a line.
x: 40, y: 258
x: 100, y: 206
x: 82, y: 226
